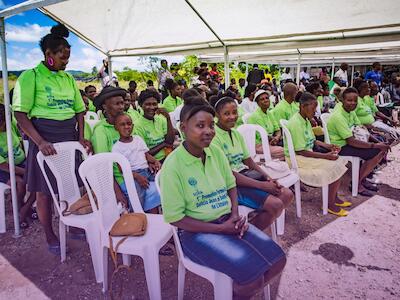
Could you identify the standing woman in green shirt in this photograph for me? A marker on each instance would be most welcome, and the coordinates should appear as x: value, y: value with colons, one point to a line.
x: 316, y: 168
x: 254, y: 187
x: 49, y: 108
x: 155, y: 126
x: 199, y: 197
x: 174, y: 95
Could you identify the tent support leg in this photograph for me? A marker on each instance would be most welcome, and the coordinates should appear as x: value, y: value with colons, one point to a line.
x: 226, y: 67
x: 298, y: 70
x: 110, y: 70
x: 352, y: 75
x: 17, y: 232
x: 333, y: 68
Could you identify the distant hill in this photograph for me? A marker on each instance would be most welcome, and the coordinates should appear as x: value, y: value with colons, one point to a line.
x: 75, y: 73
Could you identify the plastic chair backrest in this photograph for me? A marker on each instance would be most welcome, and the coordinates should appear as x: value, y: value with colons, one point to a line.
x: 26, y: 146
x: 324, y: 119
x: 172, y: 118
x: 248, y: 131
x: 381, y: 99
x: 98, y: 177
x: 92, y: 123
x: 62, y: 166
x: 178, y: 246
x: 246, y: 117
x: 287, y: 138
x: 90, y: 115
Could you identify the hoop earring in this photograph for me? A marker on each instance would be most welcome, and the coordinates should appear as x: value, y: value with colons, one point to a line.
x: 50, y: 61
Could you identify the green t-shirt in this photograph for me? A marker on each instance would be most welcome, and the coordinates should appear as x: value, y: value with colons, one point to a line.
x: 241, y: 113
x: 265, y: 120
x: 91, y: 106
x: 170, y: 104
x: 152, y: 132
x: 368, y: 100
x: 364, y: 111
x: 44, y: 94
x: 87, y: 131
x: 193, y: 189
x: 340, y: 125
x: 103, y: 138
x: 320, y: 100
x: 241, y: 91
x: 234, y: 147
x: 134, y: 114
x: 19, y: 154
x: 284, y: 111
x: 302, y: 134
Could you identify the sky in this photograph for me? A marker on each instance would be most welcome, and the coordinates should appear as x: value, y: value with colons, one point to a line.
x: 24, y: 31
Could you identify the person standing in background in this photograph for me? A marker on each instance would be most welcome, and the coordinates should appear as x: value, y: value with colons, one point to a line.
x: 342, y: 74
x: 256, y: 75
x: 375, y: 74
x: 162, y: 76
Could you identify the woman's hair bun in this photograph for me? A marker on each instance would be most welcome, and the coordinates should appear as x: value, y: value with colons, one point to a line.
x: 60, y: 30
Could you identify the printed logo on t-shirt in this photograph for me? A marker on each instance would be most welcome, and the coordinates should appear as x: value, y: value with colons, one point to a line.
x: 57, y: 103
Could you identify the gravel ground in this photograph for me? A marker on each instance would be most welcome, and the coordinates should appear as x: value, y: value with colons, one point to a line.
x: 74, y: 279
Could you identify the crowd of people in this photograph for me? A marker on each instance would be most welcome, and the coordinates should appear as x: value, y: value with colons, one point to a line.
x: 190, y: 136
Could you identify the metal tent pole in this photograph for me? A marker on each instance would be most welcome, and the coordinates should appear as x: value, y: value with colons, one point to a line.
x: 352, y: 75
x: 110, y: 70
x: 298, y: 70
x: 17, y: 232
x: 333, y: 68
x: 226, y: 67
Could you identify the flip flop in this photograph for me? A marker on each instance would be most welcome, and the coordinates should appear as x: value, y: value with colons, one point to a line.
x: 340, y: 213
x: 77, y: 236
x: 344, y: 204
x: 54, y: 249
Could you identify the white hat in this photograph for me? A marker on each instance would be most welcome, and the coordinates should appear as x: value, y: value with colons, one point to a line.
x: 260, y: 92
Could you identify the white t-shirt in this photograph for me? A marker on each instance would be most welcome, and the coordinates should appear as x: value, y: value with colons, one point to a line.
x: 304, y: 75
x: 286, y: 76
x: 342, y: 75
x: 134, y: 152
x: 248, y: 106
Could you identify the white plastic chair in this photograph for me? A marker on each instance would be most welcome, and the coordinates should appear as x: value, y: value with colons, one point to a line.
x: 355, y: 161
x: 97, y: 175
x: 90, y: 115
x: 172, y: 118
x: 246, y: 117
x: 221, y: 282
x: 249, y: 131
x: 3, y: 188
x: 288, y: 140
x: 92, y: 123
x: 62, y: 165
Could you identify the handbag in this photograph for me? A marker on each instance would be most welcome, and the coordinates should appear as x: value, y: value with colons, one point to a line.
x: 131, y: 224
x: 253, y: 174
x: 276, y: 169
x: 80, y: 207
x: 361, y: 133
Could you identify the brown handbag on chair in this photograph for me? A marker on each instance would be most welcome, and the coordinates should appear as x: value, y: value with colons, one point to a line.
x: 131, y: 224
x: 80, y: 207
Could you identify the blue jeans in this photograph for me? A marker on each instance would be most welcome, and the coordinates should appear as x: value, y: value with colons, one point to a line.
x: 244, y: 260
x: 149, y: 198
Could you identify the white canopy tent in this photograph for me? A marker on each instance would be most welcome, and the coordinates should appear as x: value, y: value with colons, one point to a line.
x: 140, y: 27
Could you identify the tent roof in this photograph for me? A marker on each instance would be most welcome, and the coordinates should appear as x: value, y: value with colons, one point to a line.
x: 140, y: 27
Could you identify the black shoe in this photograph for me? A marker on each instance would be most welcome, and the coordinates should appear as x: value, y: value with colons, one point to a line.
x: 370, y: 186
x: 366, y: 193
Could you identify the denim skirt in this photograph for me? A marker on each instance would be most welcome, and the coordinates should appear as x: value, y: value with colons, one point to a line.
x: 244, y: 260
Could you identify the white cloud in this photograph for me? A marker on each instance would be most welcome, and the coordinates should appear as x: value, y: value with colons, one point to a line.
x: 24, y: 59
x: 31, y: 33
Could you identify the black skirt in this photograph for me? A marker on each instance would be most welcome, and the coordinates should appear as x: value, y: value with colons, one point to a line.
x: 54, y: 132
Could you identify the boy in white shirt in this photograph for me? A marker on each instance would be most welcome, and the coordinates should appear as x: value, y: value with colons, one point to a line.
x: 143, y: 165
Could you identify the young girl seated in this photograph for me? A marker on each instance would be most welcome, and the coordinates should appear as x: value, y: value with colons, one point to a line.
x: 143, y: 165
x: 199, y: 197
x: 266, y: 119
x: 316, y: 168
x: 268, y: 197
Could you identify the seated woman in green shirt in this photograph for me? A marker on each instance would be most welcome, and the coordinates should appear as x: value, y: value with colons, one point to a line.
x: 340, y: 128
x: 316, y: 168
x: 199, y: 197
x: 267, y: 196
x: 266, y: 119
x: 19, y: 160
x: 154, y: 126
x: 174, y: 95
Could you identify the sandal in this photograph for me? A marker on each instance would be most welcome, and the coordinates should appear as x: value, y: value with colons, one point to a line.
x: 23, y: 225
x: 370, y: 186
x: 340, y: 213
x: 54, y: 249
x: 344, y: 204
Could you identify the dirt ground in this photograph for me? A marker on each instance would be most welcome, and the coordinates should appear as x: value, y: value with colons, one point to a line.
x: 74, y: 279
